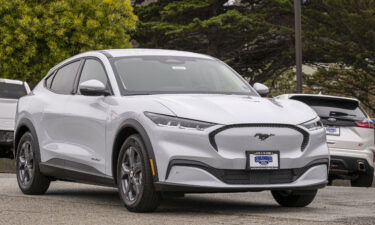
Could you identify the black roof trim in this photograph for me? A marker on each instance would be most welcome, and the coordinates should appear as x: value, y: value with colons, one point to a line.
x: 107, y: 54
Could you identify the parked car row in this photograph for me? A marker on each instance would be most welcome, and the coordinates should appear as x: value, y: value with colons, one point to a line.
x: 159, y: 122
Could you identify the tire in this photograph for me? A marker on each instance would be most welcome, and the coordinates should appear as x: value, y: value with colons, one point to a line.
x: 363, y: 180
x: 134, y: 177
x: 294, y: 198
x: 29, y: 178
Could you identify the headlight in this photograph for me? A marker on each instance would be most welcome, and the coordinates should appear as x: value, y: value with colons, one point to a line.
x: 314, y: 124
x: 173, y: 121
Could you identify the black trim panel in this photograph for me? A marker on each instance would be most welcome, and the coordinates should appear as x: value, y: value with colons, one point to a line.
x: 68, y: 171
x: 166, y: 187
x: 143, y: 133
x: 232, y: 176
x: 24, y: 122
x: 306, y: 136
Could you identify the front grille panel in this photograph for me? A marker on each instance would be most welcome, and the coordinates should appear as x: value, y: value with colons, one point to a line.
x: 305, y: 134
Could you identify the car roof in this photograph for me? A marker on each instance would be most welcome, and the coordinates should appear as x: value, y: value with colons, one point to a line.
x: 8, y: 81
x: 151, y: 52
x: 109, y: 53
x: 320, y: 96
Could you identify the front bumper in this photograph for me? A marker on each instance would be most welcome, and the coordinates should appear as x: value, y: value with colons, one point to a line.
x: 201, y: 181
x: 191, y: 159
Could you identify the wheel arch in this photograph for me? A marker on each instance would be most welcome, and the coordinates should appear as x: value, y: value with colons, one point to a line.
x: 128, y: 128
x: 25, y: 125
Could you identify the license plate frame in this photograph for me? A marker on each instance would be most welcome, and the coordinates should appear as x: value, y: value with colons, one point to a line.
x: 335, y: 132
x: 251, y: 164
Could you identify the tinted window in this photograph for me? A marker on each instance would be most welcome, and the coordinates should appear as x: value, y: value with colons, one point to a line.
x: 64, y: 78
x: 93, y: 70
x: 179, y: 74
x: 13, y: 91
x: 337, y: 108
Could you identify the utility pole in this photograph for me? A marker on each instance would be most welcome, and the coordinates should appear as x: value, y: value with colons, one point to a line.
x: 298, y: 44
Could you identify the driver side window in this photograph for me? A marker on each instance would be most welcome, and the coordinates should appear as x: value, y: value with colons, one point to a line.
x: 93, y: 70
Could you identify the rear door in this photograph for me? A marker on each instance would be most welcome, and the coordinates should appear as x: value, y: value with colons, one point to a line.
x: 347, y: 125
x: 54, y: 137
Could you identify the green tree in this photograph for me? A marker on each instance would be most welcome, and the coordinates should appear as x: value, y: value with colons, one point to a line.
x: 254, y: 37
x: 35, y: 35
x: 339, y: 37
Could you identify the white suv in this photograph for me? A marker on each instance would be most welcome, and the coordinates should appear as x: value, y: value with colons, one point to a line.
x: 10, y: 92
x: 153, y: 121
x: 350, y: 136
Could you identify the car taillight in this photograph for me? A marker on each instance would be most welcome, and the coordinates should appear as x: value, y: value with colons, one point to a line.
x: 365, y: 124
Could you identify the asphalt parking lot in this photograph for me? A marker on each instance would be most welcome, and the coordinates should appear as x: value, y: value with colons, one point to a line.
x: 71, y: 203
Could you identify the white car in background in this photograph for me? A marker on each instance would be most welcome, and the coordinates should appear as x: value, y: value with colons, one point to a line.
x: 350, y: 136
x: 10, y: 92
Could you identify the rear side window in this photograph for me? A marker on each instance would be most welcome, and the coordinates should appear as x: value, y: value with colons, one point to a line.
x: 63, y: 81
x: 12, y: 91
x: 337, y: 108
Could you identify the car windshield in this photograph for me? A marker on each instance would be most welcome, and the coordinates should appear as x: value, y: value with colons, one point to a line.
x: 12, y: 91
x: 337, y: 108
x: 172, y: 74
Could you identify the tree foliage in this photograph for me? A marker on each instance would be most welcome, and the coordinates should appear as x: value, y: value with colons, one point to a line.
x: 35, y: 35
x: 254, y: 37
x: 340, y: 40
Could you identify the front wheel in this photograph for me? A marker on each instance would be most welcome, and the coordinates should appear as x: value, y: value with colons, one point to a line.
x: 288, y: 198
x: 134, y: 177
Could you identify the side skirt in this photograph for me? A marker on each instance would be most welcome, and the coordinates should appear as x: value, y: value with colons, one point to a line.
x: 65, y: 173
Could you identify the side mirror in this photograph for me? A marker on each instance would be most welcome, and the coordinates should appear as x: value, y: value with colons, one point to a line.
x: 261, y: 89
x: 93, y: 88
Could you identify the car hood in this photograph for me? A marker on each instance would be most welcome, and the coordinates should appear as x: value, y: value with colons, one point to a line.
x: 236, y: 109
x: 7, y: 113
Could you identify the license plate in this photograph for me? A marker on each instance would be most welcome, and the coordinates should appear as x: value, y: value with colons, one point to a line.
x: 263, y: 160
x: 333, y: 131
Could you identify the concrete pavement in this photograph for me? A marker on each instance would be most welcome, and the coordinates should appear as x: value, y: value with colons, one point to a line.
x: 71, y: 203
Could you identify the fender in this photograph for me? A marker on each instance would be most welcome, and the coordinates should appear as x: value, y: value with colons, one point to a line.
x: 131, y: 123
x: 24, y: 122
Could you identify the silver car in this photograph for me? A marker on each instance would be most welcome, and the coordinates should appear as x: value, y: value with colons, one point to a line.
x: 159, y: 122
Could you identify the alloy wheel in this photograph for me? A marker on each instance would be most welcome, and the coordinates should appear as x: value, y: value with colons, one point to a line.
x: 26, y: 163
x: 131, y: 174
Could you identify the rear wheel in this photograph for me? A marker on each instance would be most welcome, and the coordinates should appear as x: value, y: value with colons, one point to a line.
x: 134, y: 177
x: 290, y: 198
x: 363, y: 180
x: 29, y: 178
